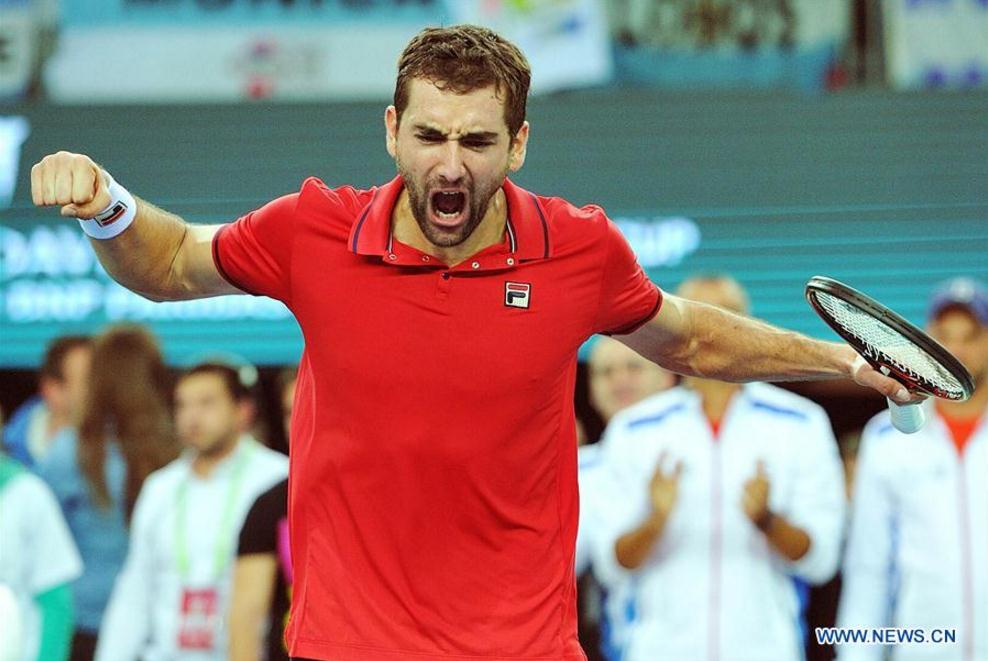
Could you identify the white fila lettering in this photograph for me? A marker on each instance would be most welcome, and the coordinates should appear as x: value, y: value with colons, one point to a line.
x: 517, y: 294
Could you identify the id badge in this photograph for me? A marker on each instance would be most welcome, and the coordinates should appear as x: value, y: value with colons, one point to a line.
x: 198, y: 619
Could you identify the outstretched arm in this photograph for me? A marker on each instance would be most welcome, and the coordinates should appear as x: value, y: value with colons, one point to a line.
x: 159, y: 255
x: 703, y: 340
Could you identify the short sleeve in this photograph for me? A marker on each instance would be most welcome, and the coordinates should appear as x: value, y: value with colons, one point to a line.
x: 254, y: 253
x: 259, y: 533
x: 628, y: 298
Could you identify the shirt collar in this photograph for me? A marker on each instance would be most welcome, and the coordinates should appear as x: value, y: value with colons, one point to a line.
x: 527, y: 229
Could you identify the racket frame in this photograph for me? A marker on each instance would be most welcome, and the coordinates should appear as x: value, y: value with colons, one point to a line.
x: 912, y: 333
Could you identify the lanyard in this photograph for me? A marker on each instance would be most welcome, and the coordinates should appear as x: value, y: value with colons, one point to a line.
x: 221, y: 548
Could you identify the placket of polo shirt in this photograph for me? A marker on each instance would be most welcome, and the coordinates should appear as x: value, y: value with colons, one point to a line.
x: 492, y: 259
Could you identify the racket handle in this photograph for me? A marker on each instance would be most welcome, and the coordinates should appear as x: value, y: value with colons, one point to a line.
x: 907, y: 418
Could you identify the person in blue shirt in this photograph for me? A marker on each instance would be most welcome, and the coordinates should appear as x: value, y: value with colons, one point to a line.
x: 62, y: 379
x: 125, y: 433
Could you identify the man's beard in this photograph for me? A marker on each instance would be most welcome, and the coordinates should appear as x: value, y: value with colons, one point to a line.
x: 478, y: 200
x: 216, y: 446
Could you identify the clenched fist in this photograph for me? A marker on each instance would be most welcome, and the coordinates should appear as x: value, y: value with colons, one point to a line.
x: 72, y: 181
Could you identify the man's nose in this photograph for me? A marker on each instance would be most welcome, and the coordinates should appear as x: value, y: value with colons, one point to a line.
x: 451, y: 167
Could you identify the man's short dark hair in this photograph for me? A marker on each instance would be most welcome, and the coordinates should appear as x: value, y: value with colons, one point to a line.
x: 230, y: 376
x: 54, y: 362
x: 464, y: 58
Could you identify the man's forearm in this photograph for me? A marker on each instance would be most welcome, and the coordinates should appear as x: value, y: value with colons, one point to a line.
x: 147, y: 250
x: 142, y: 258
x: 702, y: 340
x: 246, y: 624
x: 735, y: 348
x: 789, y: 541
x: 254, y: 578
x: 631, y: 549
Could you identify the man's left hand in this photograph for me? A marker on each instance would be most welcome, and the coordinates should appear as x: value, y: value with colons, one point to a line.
x: 754, y: 498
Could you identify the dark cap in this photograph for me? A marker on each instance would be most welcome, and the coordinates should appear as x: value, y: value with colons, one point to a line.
x: 960, y: 292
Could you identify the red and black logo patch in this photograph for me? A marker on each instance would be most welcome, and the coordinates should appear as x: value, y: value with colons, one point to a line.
x: 111, y: 215
x: 517, y: 294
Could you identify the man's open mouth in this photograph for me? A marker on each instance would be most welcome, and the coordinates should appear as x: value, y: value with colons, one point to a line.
x: 448, y: 207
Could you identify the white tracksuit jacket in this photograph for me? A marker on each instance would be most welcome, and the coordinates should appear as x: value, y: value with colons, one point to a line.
x: 917, y: 554
x: 713, y: 589
x: 597, y: 508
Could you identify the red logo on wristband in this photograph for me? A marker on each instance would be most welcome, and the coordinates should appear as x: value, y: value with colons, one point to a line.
x: 111, y: 215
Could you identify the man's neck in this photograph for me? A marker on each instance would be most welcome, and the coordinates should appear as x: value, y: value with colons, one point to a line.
x: 715, y: 395
x: 204, y: 463
x: 55, y: 423
x: 489, y: 232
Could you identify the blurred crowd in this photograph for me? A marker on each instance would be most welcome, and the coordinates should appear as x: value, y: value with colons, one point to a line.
x: 142, y: 518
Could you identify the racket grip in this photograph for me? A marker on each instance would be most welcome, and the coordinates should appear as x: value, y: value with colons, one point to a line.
x: 907, y: 418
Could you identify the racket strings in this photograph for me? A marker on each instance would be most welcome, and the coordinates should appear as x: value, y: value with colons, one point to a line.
x: 886, y: 345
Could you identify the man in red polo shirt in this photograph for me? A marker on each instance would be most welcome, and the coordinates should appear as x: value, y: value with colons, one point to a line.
x: 433, y: 501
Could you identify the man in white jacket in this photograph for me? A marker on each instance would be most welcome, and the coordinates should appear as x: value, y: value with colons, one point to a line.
x: 617, y: 378
x: 729, y: 492
x: 170, y: 599
x: 917, y: 555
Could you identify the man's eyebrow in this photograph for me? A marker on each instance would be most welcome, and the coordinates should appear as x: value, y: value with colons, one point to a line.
x: 474, y: 135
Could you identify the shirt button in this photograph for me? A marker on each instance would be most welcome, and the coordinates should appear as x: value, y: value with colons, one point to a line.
x: 475, y: 265
x: 511, y: 261
x: 425, y: 258
x: 445, y: 275
x: 392, y: 256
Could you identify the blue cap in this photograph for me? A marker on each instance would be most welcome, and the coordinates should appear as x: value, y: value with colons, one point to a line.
x: 960, y: 292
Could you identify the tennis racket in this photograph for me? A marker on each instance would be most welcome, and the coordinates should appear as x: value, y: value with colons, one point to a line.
x: 891, y: 345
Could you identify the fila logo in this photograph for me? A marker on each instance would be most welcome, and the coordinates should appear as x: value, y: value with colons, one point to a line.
x: 517, y: 294
x: 111, y: 215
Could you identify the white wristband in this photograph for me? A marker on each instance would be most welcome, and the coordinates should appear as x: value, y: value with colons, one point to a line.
x: 116, y: 217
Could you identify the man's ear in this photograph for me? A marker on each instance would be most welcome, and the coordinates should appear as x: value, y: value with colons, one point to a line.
x: 391, y: 130
x: 246, y: 414
x: 519, y: 147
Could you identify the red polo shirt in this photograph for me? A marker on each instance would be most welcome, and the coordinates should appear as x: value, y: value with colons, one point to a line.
x: 433, y: 496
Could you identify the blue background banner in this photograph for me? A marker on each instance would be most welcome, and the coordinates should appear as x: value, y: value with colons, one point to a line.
x: 885, y: 192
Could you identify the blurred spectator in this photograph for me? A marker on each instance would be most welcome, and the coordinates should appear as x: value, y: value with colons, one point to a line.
x: 173, y: 593
x: 917, y: 552
x: 38, y: 561
x: 727, y: 492
x: 124, y: 433
x: 848, y: 445
x: 618, y: 378
x: 61, y: 387
x: 286, y: 397
x: 262, y: 576
x: 821, y: 609
x: 747, y: 24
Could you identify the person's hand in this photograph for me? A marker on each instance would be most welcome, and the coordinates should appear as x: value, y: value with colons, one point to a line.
x: 72, y: 181
x: 754, y: 497
x: 664, y: 487
x: 866, y: 375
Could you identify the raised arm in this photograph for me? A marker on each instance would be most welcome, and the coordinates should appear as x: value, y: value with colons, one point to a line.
x: 158, y: 256
x: 702, y: 340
